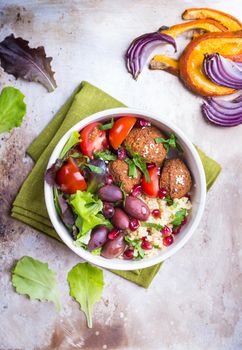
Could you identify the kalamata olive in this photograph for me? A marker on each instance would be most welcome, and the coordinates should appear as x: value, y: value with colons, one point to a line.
x: 99, y: 236
x: 120, y: 219
x: 136, y: 208
x: 110, y: 193
x: 114, y: 248
x: 108, y: 210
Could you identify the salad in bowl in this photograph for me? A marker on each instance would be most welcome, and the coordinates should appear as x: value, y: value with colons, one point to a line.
x: 121, y: 189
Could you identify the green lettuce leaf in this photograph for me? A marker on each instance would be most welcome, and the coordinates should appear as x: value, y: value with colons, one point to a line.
x: 12, y: 108
x: 88, y: 209
x: 86, y: 286
x: 34, y: 278
x: 73, y: 140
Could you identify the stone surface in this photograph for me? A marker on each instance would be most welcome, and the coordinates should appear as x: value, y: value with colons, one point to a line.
x: 195, y: 302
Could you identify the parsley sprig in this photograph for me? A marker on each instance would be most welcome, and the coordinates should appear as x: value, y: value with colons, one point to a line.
x: 107, y: 126
x: 105, y: 155
x: 179, y: 217
x: 132, y: 167
x: 169, y: 143
x: 136, y: 244
x: 152, y: 225
x: 141, y: 164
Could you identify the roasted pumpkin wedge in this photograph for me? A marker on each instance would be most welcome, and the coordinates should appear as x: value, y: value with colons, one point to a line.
x: 230, y: 22
x: 165, y: 63
x: 207, y: 25
x: 228, y: 44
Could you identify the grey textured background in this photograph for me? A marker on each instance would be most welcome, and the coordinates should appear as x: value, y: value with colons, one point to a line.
x: 196, y: 300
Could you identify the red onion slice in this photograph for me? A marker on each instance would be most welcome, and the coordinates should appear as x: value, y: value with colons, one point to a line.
x: 222, y: 71
x: 223, y: 113
x: 140, y: 49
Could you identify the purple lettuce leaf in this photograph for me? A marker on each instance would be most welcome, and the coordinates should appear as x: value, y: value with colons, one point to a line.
x: 18, y: 59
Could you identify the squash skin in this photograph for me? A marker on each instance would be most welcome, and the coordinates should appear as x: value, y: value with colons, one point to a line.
x: 230, y: 22
x: 208, y: 25
x: 228, y: 44
x: 166, y: 63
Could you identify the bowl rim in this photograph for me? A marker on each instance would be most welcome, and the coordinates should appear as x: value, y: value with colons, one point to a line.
x: 119, y: 264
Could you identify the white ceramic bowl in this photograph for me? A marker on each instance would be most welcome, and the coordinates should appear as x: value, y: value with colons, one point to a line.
x: 198, y: 193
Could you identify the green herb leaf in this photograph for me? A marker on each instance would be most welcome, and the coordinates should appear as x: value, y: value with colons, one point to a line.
x: 95, y: 169
x: 140, y: 163
x: 168, y: 143
x: 107, y: 126
x: 34, y: 278
x: 72, y: 141
x: 86, y: 286
x: 56, y: 200
x: 124, y: 193
x: 132, y: 168
x: 76, y: 155
x: 179, y: 217
x: 152, y: 225
x: 12, y: 108
x: 105, y: 155
x: 168, y: 200
x: 136, y: 243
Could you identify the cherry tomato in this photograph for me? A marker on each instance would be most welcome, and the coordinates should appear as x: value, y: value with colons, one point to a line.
x: 120, y: 130
x: 151, y: 188
x: 93, y: 139
x: 69, y: 178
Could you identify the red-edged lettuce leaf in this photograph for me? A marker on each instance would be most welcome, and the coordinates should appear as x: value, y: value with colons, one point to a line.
x: 18, y: 59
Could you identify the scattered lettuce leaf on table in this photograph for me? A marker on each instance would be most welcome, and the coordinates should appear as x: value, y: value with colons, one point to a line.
x: 34, y: 278
x: 12, y: 108
x: 86, y: 285
x: 31, y: 64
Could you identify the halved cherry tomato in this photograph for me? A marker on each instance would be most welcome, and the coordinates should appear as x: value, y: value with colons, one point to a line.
x: 151, y: 188
x: 69, y: 178
x: 93, y: 139
x: 120, y: 130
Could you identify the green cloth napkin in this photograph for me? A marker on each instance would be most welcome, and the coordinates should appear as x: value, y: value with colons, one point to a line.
x: 29, y: 205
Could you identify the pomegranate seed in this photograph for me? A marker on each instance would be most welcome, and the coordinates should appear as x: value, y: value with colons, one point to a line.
x: 128, y: 254
x: 144, y: 238
x: 166, y: 231
x: 136, y: 190
x: 162, y: 193
x: 122, y: 154
x: 150, y: 165
x: 142, y: 123
x: 109, y: 180
x: 146, y: 245
x: 156, y: 213
x: 176, y: 230
x: 167, y: 240
x: 133, y: 224
x: 113, y: 233
x: 184, y: 221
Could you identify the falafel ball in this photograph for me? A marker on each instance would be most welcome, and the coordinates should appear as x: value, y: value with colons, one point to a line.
x: 175, y: 178
x: 142, y: 141
x: 119, y: 170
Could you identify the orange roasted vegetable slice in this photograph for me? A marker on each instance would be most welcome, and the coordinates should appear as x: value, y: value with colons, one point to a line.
x: 165, y: 63
x: 207, y: 25
x: 230, y: 22
x: 228, y: 44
